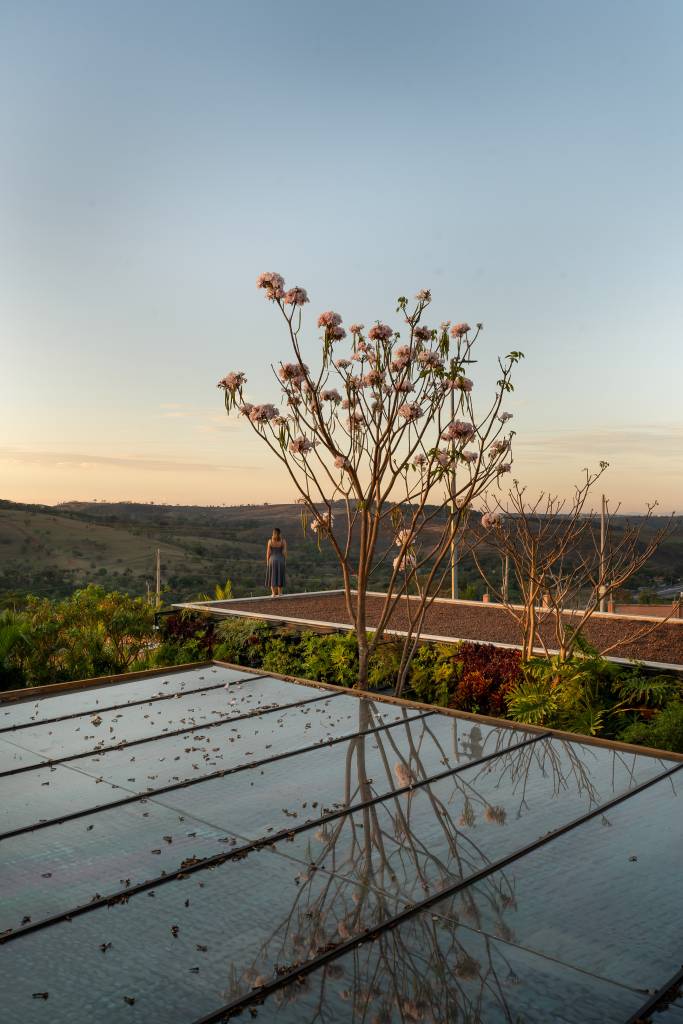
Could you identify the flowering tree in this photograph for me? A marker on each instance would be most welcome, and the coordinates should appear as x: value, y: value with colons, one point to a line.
x: 382, y: 436
x: 562, y: 566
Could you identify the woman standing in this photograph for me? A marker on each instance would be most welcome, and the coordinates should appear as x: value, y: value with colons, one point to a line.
x: 276, y: 560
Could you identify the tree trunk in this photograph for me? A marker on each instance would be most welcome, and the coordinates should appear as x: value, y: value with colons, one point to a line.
x: 362, y: 638
x: 530, y: 629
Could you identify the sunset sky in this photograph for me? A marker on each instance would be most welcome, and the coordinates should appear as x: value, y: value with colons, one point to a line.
x: 524, y: 161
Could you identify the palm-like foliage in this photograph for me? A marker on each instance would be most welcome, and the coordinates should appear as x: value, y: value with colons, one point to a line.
x: 586, y: 693
x: 221, y: 593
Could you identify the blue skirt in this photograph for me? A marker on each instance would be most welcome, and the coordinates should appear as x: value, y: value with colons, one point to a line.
x: 275, y: 574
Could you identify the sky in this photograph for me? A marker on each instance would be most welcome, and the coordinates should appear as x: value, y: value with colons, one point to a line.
x: 523, y: 160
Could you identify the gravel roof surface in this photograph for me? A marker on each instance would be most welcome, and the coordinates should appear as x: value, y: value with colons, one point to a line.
x: 633, y: 638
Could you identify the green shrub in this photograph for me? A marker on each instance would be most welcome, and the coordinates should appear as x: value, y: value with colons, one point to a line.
x: 330, y: 658
x: 384, y: 665
x: 242, y: 641
x: 664, y: 730
x: 433, y: 671
x: 283, y: 656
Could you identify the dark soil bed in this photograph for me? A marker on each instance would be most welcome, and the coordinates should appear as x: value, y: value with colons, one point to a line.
x: 633, y: 638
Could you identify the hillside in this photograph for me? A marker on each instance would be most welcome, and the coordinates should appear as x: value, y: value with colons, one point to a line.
x: 53, y: 550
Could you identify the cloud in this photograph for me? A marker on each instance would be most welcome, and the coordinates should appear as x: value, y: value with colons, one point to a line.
x: 198, y: 418
x: 638, y: 443
x: 74, y: 460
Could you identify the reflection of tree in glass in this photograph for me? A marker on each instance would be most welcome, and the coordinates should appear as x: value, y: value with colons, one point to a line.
x: 366, y: 865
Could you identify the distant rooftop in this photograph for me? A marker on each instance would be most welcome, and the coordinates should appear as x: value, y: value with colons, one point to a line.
x: 183, y: 846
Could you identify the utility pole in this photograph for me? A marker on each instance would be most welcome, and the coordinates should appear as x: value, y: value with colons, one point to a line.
x: 454, y: 512
x: 603, y: 516
x: 158, y: 600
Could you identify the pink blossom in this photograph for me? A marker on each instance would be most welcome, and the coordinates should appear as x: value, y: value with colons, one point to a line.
x: 469, y: 456
x: 422, y: 333
x: 505, y: 468
x: 444, y: 325
x: 404, y: 775
x: 505, y: 416
x: 323, y: 522
x: 296, y: 296
x: 458, y: 431
x: 458, y: 330
x: 380, y: 332
x: 400, y: 357
x: 342, y: 364
x: 410, y: 412
x: 401, y: 564
x: 346, y: 404
x: 232, y: 381
x: 329, y: 319
x: 497, y: 447
x: 354, y: 419
x: 356, y: 328
x: 430, y: 359
x: 294, y: 372
x: 495, y: 815
x: 301, y: 445
x: 337, y: 333
x: 280, y: 421
x: 403, y: 387
x: 372, y: 378
x: 245, y: 408
x: 331, y: 396
x: 490, y: 519
x: 443, y: 457
x: 402, y: 537
x: 273, y: 283
x: 424, y: 295
x: 466, y: 967
x: 460, y: 384
x: 341, y: 462
x: 419, y: 459
x: 262, y: 413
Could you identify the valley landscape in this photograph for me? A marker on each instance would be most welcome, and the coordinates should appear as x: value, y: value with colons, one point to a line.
x: 50, y: 551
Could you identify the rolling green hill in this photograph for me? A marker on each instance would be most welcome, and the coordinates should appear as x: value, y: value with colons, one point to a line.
x: 53, y: 550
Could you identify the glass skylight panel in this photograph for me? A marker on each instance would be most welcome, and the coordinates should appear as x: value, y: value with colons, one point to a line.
x: 286, y: 794
x: 604, y: 897
x: 142, y: 839
x: 161, y: 683
x: 363, y: 810
x: 185, y: 949
x: 106, y: 728
x: 412, y: 973
x: 91, y: 781
x: 445, y: 831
